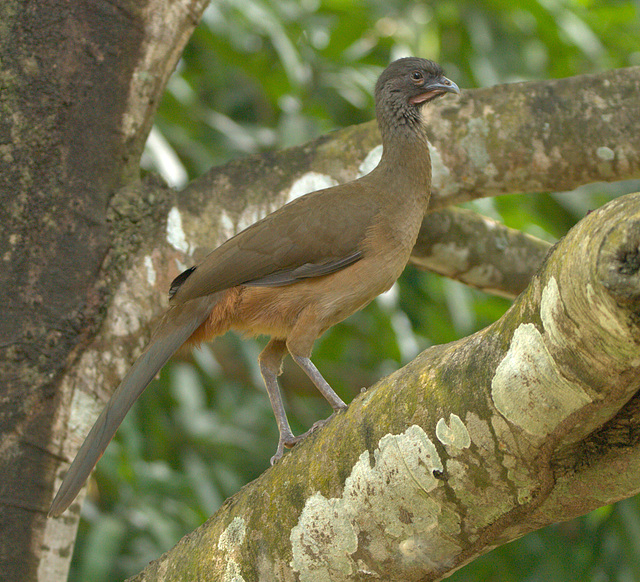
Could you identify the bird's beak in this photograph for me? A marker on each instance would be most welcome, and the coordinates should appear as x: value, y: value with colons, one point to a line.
x: 435, y: 89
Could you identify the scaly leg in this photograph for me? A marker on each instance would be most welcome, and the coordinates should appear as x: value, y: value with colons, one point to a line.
x: 323, y: 386
x: 270, y: 361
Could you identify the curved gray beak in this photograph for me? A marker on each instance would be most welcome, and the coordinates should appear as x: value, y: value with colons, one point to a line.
x: 435, y: 89
x: 443, y: 85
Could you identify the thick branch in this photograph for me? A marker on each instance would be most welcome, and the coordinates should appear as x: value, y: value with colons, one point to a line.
x: 559, y: 135
x: 478, y: 251
x: 461, y: 449
x: 531, y: 137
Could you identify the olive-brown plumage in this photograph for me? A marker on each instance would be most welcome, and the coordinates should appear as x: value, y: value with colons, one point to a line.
x: 300, y: 270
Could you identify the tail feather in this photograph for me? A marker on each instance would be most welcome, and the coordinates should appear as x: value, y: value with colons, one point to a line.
x: 174, y: 330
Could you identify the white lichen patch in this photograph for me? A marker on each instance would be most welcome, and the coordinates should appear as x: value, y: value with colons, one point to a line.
x: 229, y: 542
x: 440, y: 174
x: 125, y: 313
x: 454, y: 435
x: 310, y: 182
x: 233, y: 535
x: 322, y: 520
x: 232, y: 572
x: 605, y: 153
x: 226, y: 226
x: 385, y: 513
x: 371, y: 161
x: 54, y: 545
x: 85, y: 405
x: 551, y: 310
x: 151, y: 271
x: 175, y: 234
x: 527, y: 388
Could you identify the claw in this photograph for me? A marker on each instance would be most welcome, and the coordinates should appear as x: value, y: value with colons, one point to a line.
x: 285, y: 437
x: 279, y: 453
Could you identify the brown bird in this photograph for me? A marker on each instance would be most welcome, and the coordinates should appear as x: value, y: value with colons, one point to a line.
x: 298, y: 271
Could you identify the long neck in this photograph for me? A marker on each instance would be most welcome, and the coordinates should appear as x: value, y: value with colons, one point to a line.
x: 405, y: 158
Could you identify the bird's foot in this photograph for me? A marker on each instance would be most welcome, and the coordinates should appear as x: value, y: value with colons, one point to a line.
x: 290, y: 440
x: 285, y: 437
x: 294, y: 440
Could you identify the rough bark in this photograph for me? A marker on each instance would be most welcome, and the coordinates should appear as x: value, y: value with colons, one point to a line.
x: 478, y: 251
x: 78, y: 86
x: 471, y: 445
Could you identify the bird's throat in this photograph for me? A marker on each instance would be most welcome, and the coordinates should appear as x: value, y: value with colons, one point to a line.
x: 406, y: 162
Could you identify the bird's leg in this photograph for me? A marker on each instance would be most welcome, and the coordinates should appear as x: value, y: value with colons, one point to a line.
x: 323, y: 386
x: 270, y: 361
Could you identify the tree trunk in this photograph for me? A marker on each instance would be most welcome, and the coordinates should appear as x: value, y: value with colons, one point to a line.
x: 88, y: 250
x: 78, y: 85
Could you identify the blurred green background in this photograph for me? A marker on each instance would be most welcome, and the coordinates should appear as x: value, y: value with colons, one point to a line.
x: 258, y: 76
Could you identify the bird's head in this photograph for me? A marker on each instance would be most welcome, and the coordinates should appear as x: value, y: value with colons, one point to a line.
x: 405, y: 86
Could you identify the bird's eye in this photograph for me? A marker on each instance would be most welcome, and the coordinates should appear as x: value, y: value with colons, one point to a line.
x: 416, y: 76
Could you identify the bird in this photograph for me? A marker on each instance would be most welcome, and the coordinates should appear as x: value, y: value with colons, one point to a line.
x: 300, y: 270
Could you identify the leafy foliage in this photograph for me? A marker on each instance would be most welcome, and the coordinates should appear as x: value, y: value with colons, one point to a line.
x: 265, y: 74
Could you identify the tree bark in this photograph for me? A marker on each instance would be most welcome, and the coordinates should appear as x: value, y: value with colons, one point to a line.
x: 471, y: 445
x: 88, y: 250
x: 79, y: 86
x: 478, y: 251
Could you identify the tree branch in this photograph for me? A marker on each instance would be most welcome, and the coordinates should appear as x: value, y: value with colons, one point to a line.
x: 559, y: 135
x: 462, y: 449
x: 478, y: 251
x: 535, y: 137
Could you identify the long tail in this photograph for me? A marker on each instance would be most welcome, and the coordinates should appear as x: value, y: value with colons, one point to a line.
x: 173, y: 331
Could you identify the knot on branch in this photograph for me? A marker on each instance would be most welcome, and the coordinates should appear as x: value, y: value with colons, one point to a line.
x: 619, y: 261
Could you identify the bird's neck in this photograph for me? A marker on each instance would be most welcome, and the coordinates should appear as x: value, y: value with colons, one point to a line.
x: 406, y: 160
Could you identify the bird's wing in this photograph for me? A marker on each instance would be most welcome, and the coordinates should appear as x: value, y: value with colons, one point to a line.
x: 306, y: 271
x: 314, y: 235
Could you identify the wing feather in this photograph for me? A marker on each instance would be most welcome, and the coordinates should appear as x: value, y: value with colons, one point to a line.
x: 291, y: 244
